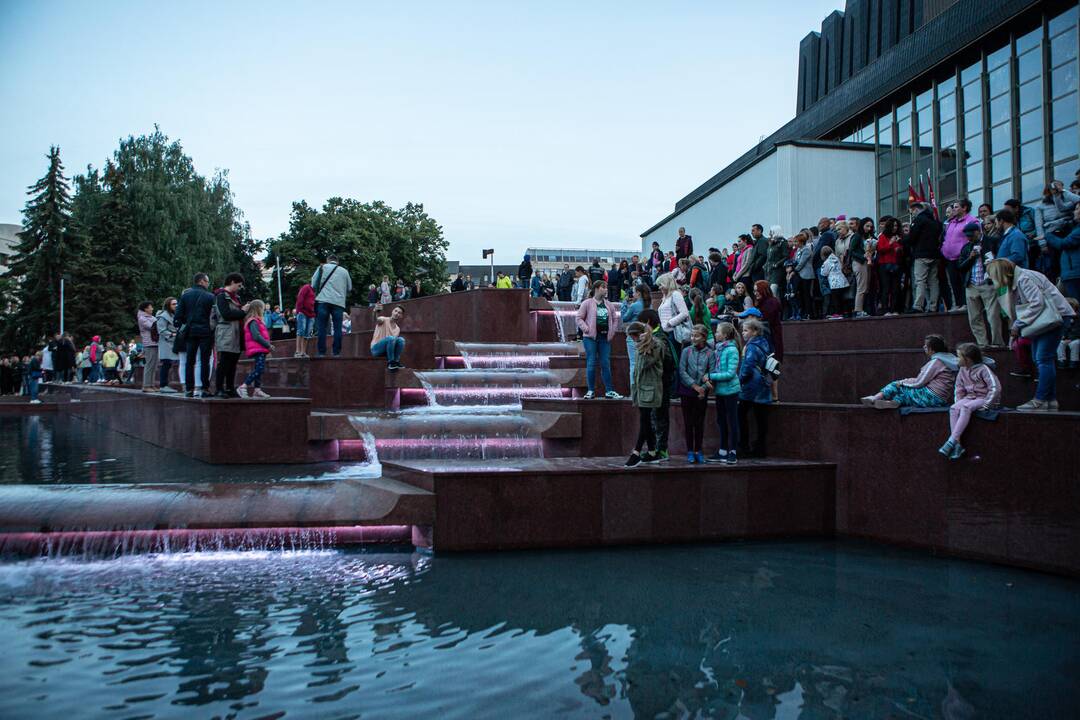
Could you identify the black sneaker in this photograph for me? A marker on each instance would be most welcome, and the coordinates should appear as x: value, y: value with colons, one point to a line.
x: 189, y: 394
x: 716, y: 457
x: 634, y: 460
x: 649, y: 458
x: 731, y: 458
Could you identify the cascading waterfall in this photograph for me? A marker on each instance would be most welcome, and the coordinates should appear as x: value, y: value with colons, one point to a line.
x: 565, y: 319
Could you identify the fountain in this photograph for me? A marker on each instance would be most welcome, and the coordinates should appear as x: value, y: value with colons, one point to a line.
x: 565, y: 319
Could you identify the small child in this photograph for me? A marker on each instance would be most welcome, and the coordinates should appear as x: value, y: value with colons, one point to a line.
x: 977, y: 388
x: 791, y: 292
x: 724, y: 383
x: 694, y: 365
x: 1069, y: 350
x: 257, y: 347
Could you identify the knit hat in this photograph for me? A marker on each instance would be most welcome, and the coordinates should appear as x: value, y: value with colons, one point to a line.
x: 841, y: 217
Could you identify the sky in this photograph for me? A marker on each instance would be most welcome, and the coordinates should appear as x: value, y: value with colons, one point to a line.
x: 517, y: 124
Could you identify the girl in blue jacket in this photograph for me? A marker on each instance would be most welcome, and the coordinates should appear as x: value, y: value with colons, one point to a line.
x: 724, y: 382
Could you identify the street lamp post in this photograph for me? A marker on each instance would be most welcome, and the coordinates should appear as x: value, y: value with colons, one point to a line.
x: 490, y: 252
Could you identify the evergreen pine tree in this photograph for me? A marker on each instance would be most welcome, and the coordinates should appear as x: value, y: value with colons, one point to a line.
x: 44, y: 253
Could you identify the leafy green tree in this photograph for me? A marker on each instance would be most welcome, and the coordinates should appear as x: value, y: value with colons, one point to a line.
x: 369, y: 239
x: 45, y: 251
x: 108, y: 280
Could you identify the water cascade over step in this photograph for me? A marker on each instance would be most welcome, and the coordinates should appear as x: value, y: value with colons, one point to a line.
x: 451, y: 433
x: 490, y: 387
x: 477, y: 356
x: 565, y: 319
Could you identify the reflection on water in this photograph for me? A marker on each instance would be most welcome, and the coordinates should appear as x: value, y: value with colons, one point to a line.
x: 756, y: 631
x: 58, y: 449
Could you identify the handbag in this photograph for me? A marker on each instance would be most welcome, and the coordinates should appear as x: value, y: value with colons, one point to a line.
x: 683, y: 331
x: 1048, y: 319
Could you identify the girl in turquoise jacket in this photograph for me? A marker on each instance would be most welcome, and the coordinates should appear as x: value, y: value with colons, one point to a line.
x: 724, y: 382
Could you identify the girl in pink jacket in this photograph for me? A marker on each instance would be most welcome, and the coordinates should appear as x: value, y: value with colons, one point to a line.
x: 977, y: 388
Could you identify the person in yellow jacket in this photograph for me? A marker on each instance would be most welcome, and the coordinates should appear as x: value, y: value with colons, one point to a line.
x: 503, y: 282
x: 109, y: 362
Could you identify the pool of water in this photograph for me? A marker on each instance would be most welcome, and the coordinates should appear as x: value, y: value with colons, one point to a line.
x: 59, y: 449
x: 782, y: 631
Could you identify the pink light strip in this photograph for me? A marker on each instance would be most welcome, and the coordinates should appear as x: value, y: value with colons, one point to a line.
x: 35, y: 543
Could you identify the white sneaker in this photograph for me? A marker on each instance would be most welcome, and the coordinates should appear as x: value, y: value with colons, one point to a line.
x: 35, y: 402
x: 612, y: 395
x: 258, y: 393
x: 590, y: 395
x: 1034, y: 405
x: 242, y: 391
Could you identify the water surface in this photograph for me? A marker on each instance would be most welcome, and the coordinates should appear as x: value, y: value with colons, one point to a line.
x: 759, y: 630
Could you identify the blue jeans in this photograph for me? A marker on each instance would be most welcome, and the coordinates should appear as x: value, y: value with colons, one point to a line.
x: 391, y: 347
x: 1044, y: 353
x: 631, y: 355
x: 594, y: 348
x: 324, y: 312
x: 95, y: 372
x: 304, y: 326
x: 32, y: 387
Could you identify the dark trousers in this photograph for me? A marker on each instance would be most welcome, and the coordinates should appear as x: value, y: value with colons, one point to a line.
x: 693, y: 413
x: 202, y: 346
x: 324, y: 313
x: 727, y: 421
x: 226, y: 371
x: 761, y: 423
x: 889, y: 297
x: 164, y: 366
x: 806, y: 302
x: 956, y: 295
x: 646, y: 435
x: 661, y: 421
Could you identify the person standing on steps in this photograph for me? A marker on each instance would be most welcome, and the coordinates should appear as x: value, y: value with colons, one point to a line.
x: 694, y: 365
x: 332, y: 285
x: 305, y: 316
x: 226, y: 317
x: 755, y: 392
x: 581, y: 285
x: 167, y: 355
x: 598, y: 320
x: 149, y: 336
x: 646, y: 390
x: 386, y: 340
x: 525, y: 272
x: 564, y: 284
x: 684, y: 245
x: 193, y: 321
x: 661, y: 414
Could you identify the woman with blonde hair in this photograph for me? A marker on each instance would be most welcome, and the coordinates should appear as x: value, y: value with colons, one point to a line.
x: 674, y: 314
x: 256, y: 346
x: 1039, y: 313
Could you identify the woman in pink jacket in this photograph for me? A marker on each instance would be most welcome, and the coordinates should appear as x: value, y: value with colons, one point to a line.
x: 598, y: 320
x: 977, y: 388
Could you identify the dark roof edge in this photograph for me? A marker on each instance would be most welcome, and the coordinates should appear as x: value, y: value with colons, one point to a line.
x: 796, y: 142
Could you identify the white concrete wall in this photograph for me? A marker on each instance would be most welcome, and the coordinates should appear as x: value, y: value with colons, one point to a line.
x: 793, y: 188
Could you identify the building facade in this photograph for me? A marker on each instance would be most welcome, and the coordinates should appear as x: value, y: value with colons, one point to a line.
x: 552, y: 260
x: 978, y: 96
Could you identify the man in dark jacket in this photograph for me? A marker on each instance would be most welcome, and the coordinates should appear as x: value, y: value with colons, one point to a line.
x: 596, y: 273
x: 923, y: 243
x: 684, y: 245
x: 525, y: 272
x: 193, y: 317
x: 565, y: 284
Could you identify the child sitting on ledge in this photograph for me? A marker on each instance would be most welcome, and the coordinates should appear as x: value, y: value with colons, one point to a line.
x: 932, y: 388
x: 977, y: 388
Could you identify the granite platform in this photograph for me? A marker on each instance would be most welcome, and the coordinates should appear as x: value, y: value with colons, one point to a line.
x: 583, y: 502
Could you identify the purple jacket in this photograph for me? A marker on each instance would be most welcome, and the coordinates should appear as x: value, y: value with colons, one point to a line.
x: 954, y: 236
x: 586, y: 318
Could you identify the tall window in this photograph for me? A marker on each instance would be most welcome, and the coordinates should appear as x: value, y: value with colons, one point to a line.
x: 1065, y: 138
x: 945, y: 180
x: 886, y: 190
x: 971, y: 81
x: 999, y: 83
x: 902, y: 153
x: 1029, y: 77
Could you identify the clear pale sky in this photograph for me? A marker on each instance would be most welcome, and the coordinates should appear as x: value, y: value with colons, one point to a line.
x: 565, y: 124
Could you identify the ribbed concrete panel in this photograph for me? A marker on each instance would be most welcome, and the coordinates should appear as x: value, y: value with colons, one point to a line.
x: 903, y: 14
x: 857, y: 11
x: 809, y: 50
x: 889, y: 15
x: 832, y: 32
x: 873, y: 34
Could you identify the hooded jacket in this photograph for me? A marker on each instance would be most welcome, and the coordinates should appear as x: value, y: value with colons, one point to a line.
x: 978, y: 381
x: 228, y: 312
x: 755, y: 385
x: 525, y: 271
x: 938, y: 375
x: 924, y: 239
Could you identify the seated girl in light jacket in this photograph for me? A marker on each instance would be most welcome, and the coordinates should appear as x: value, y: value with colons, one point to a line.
x: 977, y: 388
x: 933, y: 387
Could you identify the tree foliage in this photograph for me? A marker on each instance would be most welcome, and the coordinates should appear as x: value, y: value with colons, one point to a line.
x: 369, y: 239
x: 46, y: 248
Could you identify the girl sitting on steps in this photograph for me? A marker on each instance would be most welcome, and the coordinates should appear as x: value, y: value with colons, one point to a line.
x: 977, y: 388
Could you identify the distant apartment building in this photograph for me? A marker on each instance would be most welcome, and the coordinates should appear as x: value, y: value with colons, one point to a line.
x: 9, y: 238
x: 553, y: 259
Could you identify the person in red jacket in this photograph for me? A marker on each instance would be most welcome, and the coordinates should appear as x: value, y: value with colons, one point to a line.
x: 305, y: 318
